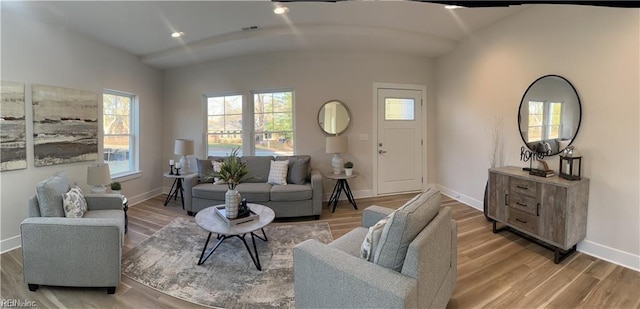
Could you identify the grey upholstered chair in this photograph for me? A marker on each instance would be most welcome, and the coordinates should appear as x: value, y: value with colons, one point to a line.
x: 77, y: 252
x: 335, y: 276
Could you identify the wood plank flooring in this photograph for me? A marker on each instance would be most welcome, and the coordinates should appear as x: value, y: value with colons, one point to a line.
x: 494, y: 270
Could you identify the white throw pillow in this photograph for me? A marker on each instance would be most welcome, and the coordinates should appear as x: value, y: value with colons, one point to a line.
x: 278, y: 172
x: 74, y: 203
x: 372, y: 239
x: 216, y: 168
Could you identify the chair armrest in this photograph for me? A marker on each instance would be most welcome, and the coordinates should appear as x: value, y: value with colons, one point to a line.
x: 91, y: 247
x: 325, y: 277
x: 316, y: 189
x: 372, y: 214
x: 188, y: 183
x: 103, y: 201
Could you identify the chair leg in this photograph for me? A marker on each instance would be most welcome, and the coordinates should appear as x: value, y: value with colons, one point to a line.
x: 111, y: 290
x: 33, y: 287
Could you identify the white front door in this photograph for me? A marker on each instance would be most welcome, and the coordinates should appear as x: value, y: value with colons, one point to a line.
x: 399, y: 144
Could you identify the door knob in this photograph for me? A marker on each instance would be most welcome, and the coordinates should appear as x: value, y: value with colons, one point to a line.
x: 382, y: 151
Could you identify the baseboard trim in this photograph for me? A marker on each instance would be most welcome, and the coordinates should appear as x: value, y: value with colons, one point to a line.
x: 356, y: 194
x: 9, y: 244
x: 465, y: 199
x: 612, y: 255
x: 144, y: 196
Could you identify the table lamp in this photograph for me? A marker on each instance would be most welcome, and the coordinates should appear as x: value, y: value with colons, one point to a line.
x: 336, y: 144
x: 184, y: 148
x: 98, y: 175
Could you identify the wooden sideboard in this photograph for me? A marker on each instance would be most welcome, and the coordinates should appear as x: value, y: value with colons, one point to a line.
x: 552, y: 211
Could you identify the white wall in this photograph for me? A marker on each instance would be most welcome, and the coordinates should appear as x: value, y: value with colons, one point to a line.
x: 597, y: 50
x: 315, y: 78
x: 35, y: 53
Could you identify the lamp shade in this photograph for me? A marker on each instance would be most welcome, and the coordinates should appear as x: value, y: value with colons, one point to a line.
x: 98, y: 174
x: 183, y: 147
x: 336, y: 144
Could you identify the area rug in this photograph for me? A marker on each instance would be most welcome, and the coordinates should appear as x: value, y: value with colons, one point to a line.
x: 167, y: 262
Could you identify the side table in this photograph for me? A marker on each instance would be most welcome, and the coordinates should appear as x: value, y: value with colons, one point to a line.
x: 125, y: 207
x: 176, y: 187
x: 341, y: 185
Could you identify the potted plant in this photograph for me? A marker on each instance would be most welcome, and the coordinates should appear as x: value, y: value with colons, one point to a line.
x: 116, y: 187
x: 348, y: 168
x: 232, y: 172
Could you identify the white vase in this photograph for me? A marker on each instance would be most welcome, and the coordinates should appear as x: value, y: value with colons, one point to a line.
x: 231, y: 203
x: 348, y: 171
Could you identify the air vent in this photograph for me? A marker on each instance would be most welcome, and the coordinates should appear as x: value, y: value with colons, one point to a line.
x: 250, y: 28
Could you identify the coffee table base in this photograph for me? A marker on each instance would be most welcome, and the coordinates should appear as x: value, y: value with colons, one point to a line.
x: 254, y: 255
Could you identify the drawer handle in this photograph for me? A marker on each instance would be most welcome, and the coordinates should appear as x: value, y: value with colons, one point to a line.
x: 521, y: 221
x: 506, y: 199
x: 538, y: 210
x: 523, y: 205
x: 523, y: 188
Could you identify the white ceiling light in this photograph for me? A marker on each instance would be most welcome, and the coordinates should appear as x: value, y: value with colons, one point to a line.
x: 281, y: 10
x: 177, y: 34
x: 452, y: 7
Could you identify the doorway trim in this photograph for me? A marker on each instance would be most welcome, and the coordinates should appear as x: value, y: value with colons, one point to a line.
x: 374, y: 148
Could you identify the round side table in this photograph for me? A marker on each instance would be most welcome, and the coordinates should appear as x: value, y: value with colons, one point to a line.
x: 341, y: 185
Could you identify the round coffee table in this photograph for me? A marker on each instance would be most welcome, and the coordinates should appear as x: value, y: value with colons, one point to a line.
x: 210, y: 221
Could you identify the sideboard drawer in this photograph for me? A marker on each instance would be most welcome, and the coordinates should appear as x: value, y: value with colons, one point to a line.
x: 523, y: 221
x: 524, y: 202
x: 524, y: 187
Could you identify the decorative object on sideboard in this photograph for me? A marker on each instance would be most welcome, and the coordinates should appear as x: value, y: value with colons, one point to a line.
x: 335, y: 145
x: 496, y: 155
x: 232, y: 171
x: 116, y: 187
x: 98, y: 175
x: 531, y: 156
x: 184, y: 148
x: 348, y: 168
x: 570, y: 164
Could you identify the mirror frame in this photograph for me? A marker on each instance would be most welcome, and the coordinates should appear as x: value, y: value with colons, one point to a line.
x: 579, y: 113
x: 348, y: 117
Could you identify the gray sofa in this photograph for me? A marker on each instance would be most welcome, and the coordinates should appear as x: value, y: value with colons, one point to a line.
x: 407, y: 271
x: 301, y: 196
x: 76, y: 252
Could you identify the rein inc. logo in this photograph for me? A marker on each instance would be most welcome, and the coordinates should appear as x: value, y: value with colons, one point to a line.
x: 17, y: 303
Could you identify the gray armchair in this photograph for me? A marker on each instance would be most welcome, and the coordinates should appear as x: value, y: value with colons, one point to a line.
x: 335, y: 276
x: 77, y: 252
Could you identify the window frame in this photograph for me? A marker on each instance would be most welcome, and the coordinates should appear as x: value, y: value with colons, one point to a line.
x: 545, y: 127
x: 252, y: 116
x: 205, y: 112
x: 134, y: 132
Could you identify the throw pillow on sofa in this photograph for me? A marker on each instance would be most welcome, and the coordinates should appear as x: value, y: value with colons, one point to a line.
x: 278, y: 172
x: 372, y: 240
x: 74, y: 203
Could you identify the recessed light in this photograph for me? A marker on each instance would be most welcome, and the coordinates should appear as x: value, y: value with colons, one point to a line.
x: 452, y: 7
x: 177, y: 34
x: 281, y: 10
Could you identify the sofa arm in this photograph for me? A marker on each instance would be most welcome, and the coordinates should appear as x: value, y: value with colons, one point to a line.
x: 71, y: 251
x: 316, y: 187
x: 372, y: 214
x: 103, y: 201
x: 325, y: 277
x: 188, y: 184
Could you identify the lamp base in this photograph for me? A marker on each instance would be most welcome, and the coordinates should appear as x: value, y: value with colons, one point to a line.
x: 337, y: 163
x: 184, y: 165
x: 99, y: 189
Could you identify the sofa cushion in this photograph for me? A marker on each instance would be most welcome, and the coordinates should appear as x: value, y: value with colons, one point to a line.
x: 282, y: 193
x: 254, y: 192
x: 405, y: 224
x: 209, y: 191
x: 74, y: 203
x: 258, y: 167
x: 351, y: 241
x: 49, y: 193
x: 278, y: 172
x: 299, y: 168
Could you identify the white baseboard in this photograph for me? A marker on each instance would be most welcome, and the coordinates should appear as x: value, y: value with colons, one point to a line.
x: 624, y: 259
x: 465, y: 199
x: 356, y: 194
x: 9, y: 244
x: 144, y: 196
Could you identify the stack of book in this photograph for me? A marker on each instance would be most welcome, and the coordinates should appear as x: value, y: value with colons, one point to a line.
x: 542, y: 173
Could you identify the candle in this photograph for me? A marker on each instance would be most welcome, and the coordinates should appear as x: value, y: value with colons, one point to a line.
x: 171, y: 162
x: 178, y: 165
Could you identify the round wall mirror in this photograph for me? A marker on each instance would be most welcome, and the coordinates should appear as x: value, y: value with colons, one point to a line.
x: 334, y: 117
x: 550, y: 114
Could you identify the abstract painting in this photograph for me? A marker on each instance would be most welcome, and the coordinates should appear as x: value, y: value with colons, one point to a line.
x: 65, y: 125
x: 13, y: 130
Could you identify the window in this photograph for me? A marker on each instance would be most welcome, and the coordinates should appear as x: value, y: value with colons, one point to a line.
x: 273, y: 123
x: 119, y: 127
x: 398, y: 109
x: 544, y: 120
x: 224, y: 124
x: 266, y: 131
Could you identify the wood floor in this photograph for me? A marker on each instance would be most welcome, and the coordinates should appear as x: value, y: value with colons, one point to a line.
x: 494, y: 270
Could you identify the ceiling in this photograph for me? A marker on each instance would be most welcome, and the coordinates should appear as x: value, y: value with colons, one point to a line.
x: 213, y: 29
